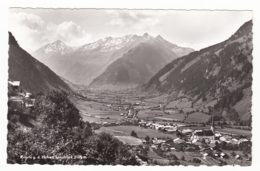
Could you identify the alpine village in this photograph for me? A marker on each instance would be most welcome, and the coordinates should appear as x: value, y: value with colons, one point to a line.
x: 132, y: 100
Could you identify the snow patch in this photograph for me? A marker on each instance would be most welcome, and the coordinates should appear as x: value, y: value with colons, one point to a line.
x: 108, y: 44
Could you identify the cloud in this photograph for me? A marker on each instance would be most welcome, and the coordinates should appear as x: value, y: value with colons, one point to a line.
x: 32, y: 32
x: 31, y: 21
x: 132, y: 19
x: 71, y: 32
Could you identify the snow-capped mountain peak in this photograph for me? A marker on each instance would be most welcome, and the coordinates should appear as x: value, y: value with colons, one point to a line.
x: 109, y: 43
x: 146, y: 36
x: 57, y: 47
x: 159, y: 37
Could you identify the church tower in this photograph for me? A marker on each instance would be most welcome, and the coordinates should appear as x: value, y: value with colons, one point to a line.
x: 212, y: 126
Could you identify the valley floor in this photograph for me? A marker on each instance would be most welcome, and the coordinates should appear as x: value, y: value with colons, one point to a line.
x: 122, y: 115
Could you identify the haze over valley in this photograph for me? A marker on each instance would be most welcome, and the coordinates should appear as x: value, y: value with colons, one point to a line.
x: 83, y: 64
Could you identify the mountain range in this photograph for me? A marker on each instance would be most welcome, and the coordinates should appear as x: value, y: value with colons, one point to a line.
x: 83, y: 64
x: 219, y: 76
x: 136, y: 66
x: 34, y: 76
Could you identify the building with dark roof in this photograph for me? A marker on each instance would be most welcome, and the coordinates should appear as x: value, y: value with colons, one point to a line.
x: 206, y: 134
x: 14, y: 85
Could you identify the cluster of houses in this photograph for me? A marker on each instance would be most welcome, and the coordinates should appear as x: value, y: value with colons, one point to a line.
x: 129, y: 117
x: 205, y: 139
x: 170, y: 128
x: 115, y: 107
x: 124, y: 107
x: 20, y: 97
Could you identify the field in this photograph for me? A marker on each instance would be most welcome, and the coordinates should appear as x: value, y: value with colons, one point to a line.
x: 180, y: 103
x: 180, y: 154
x: 144, y: 114
x: 160, y: 160
x: 100, y: 112
x: 143, y: 107
x: 152, y: 155
x: 172, y: 116
x: 188, y: 109
x: 155, y: 100
x: 172, y: 111
x: 141, y: 132
x: 211, y: 103
x: 89, y: 106
x: 97, y: 112
x: 197, y: 117
x: 235, y: 131
x: 129, y: 140
x: 92, y: 119
x: 159, y: 115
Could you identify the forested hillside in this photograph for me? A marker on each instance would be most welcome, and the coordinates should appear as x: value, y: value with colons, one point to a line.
x: 53, y: 132
x: 34, y: 76
x: 222, y: 72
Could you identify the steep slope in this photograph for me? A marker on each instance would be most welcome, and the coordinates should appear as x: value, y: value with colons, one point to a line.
x: 136, y: 66
x: 222, y: 72
x: 33, y: 75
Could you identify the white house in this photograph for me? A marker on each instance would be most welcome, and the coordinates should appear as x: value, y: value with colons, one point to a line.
x: 178, y: 141
x: 207, y: 135
x: 225, y: 138
x: 205, y: 155
x: 14, y: 83
x: 242, y: 140
x: 186, y: 131
x: 28, y: 94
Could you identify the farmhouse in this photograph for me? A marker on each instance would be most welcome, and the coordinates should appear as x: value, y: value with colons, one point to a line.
x: 137, y: 103
x: 29, y: 103
x: 173, y: 129
x: 187, y: 131
x: 243, y: 140
x: 234, y: 141
x: 28, y: 94
x: 223, y: 155
x: 217, y: 136
x: 226, y: 138
x: 14, y: 84
x: 131, y: 112
x: 178, y: 141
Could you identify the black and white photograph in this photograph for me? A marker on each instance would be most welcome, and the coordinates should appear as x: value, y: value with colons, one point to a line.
x: 131, y: 87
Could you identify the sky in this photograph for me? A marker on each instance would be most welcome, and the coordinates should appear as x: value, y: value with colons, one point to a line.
x: 34, y: 28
